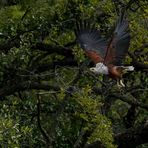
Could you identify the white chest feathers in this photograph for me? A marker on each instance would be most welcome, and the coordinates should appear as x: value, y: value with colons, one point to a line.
x: 100, y: 68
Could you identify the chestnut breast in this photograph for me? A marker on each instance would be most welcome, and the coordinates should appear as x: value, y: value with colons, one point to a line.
x: 114, y: 72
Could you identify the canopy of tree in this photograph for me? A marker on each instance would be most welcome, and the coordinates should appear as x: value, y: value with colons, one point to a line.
x: 49, y: 97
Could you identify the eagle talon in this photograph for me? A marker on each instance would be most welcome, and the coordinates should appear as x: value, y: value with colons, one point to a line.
x: 120, y: 83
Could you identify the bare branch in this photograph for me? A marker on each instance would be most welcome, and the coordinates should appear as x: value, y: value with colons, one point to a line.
x: 44, y: 133
x: 129, y: 99
x: 53, y: 49
x: 64, y: 62
x: 22, y: 86
x: 136, y: 64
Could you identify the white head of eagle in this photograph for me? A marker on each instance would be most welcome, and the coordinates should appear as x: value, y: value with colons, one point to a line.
x: 100, y: 68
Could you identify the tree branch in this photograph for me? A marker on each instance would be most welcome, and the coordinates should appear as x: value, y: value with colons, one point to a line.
x: 22, y: 86
x: 124, y: 97
x: 44, y: 133
x: 131, y: 101
x: 64, y: 62
x: 136, y: 64
x: 53, y: 49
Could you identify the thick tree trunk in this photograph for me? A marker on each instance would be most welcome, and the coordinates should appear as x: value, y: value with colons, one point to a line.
x: 132, y: 137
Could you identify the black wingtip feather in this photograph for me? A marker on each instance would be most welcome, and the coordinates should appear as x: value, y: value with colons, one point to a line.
x: 123, y: 37
x: 89, y: 38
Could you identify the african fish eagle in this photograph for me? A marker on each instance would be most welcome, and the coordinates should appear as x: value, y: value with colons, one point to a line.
x: 107, y: 56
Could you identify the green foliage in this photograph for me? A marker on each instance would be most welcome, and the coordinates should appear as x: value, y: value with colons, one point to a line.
x: 73, y: 109
x: 13, y: 127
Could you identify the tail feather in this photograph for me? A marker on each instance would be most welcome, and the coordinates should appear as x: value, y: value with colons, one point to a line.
x: 129, y: 68
x: 124, y: 69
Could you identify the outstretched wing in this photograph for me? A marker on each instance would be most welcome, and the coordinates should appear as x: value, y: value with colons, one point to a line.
x: 119, y: 43
x: 91, y: 41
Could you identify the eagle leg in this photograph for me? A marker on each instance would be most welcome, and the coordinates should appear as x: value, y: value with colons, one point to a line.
x: 120, y: 83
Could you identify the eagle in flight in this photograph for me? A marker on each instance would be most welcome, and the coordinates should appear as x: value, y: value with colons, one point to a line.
x: 106, y: 55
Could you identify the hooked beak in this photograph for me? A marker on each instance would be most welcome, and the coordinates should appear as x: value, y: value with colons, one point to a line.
x: 92, y: 69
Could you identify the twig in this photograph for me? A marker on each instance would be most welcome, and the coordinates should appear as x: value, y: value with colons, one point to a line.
x: 24, y: 15
x: 44, y: 133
